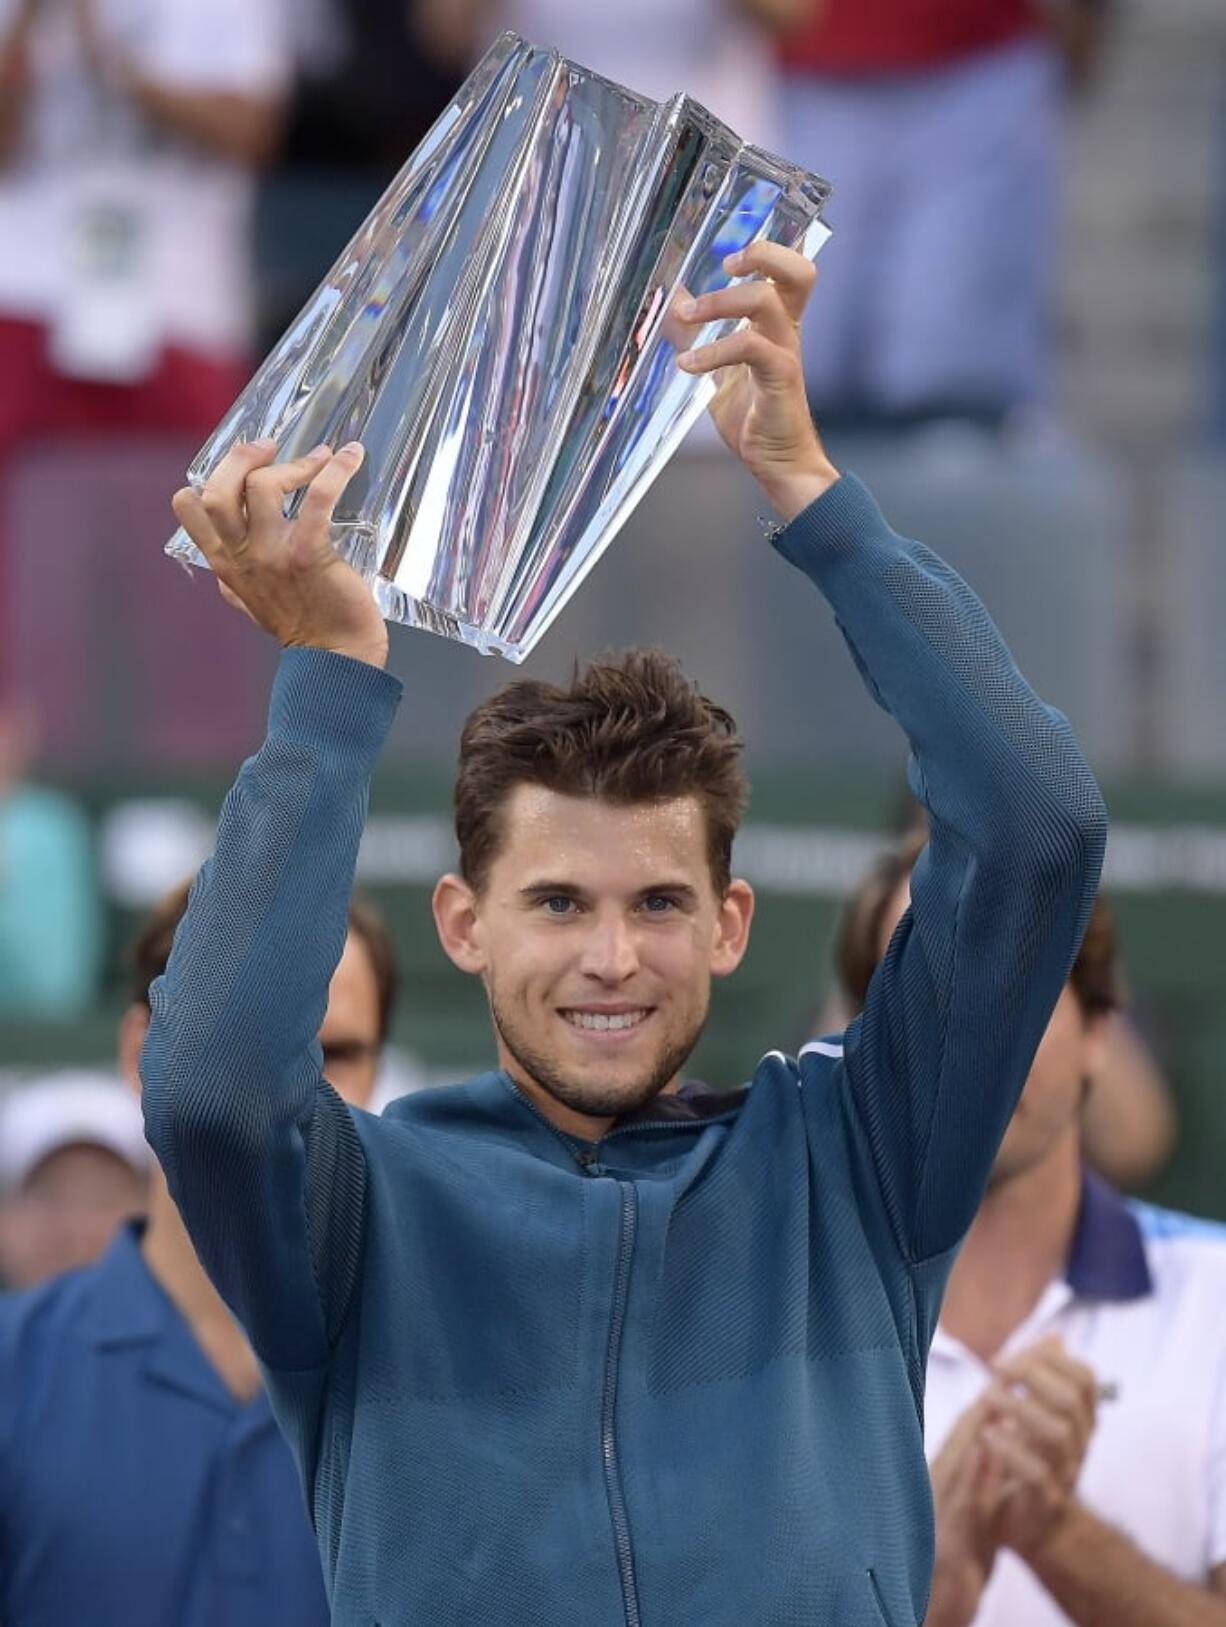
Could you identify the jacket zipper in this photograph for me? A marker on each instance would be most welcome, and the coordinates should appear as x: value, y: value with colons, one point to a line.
x: 608, y: 1410
x: 586, y: 1157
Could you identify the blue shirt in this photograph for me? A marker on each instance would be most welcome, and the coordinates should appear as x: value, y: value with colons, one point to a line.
x: 135, y: 1491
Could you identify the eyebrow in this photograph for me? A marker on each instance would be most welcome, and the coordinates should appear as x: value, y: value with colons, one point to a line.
x: 537, y: 890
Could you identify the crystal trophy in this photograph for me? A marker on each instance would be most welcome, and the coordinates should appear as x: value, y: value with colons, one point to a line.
x: 497, y: 336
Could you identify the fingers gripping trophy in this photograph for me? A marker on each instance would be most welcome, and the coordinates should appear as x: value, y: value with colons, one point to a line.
x: 577, y: 1340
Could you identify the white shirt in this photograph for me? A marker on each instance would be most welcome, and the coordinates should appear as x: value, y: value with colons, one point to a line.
x: 659, y: 47
x: 1145, y: 1308
x: 81, y: 143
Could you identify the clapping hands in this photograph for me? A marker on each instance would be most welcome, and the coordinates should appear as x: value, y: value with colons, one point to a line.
x: 1008, y: 1472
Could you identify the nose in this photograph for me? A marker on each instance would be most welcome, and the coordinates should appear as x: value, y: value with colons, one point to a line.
x: 610, y: 954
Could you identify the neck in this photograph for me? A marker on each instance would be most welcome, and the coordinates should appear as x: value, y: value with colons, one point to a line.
x: 571, y: 1122
x: 169, y: 1254
x: 1019, y: 1242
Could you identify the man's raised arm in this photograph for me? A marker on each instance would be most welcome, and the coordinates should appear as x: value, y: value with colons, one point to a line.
x: 260, y: 1154
x: 1001, y: 895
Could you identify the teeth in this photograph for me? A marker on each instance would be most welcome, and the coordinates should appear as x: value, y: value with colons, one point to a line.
x: 600, y: 1021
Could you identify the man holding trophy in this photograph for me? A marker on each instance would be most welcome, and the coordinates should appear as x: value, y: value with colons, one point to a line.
x: 574, y: 1343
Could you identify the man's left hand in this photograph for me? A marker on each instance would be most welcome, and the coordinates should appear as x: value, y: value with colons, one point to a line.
x: 760, y: 408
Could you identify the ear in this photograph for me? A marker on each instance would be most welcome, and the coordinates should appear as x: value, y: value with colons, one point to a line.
x: 456, y: 919
x: 732, y: 928
x: 132, y: 1030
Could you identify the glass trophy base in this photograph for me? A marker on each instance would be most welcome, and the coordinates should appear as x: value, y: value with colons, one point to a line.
x: 395, y: 604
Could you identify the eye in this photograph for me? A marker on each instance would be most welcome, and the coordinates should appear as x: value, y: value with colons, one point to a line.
x: 659, y: 903
x: 559, y: 905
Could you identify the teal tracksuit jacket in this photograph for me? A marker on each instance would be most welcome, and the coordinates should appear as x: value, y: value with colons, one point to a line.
x: 673, y: 1378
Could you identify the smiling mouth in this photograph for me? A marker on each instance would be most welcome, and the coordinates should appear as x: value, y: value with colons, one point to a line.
x: 607, y: 1022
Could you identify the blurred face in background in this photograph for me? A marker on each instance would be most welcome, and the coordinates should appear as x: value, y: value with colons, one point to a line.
x: 65, y: 1213
x: 1068, y: 1057
x: 349, y: 1036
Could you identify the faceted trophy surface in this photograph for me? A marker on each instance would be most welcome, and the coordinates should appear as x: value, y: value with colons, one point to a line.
x: 495, y: 335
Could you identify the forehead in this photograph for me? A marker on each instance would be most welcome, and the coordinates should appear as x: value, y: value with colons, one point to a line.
x: 75, y: 1161
x: 590, y: 843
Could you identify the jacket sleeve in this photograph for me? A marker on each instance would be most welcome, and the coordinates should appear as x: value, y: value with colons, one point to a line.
x: 261, y: 1155
x: 1001, y: 894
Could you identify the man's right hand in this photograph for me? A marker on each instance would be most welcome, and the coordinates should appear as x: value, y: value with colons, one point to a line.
x: 284, y: 573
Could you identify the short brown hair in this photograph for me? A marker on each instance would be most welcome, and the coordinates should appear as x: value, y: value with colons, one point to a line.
x: 629, y: 729
x: 1095, y: 977
x: 151, y: 950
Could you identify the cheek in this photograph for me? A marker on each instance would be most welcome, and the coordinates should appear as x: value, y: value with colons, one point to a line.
x: 521, y: 960
x: 681, y: 960
x: 1055, y: 1084
x: 1048, y: 1056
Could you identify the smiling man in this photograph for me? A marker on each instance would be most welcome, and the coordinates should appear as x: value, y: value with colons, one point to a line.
x: 595, y: 897
x: 568, y: 1343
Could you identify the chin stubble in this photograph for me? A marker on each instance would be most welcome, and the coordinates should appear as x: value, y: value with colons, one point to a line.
x: 612, y: 1102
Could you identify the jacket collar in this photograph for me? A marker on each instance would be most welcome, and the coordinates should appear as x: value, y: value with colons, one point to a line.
x: 1107, y: 1259
x: 129, y: 1309
x: 693, y: 1103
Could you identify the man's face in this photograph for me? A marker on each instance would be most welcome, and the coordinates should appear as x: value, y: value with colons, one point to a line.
x: 1068, y: 1056
x: 66, y: 1212
x: 349, y: 1035
x: 1054, y: 1094
x: 596, y: 934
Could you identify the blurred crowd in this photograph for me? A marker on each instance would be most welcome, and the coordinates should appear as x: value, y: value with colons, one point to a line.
x: 176, y: 179
x: 176, y: 176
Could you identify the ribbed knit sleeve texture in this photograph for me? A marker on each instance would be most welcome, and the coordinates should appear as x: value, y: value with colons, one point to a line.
x: 261, y: 1155
x: 1001, y: 895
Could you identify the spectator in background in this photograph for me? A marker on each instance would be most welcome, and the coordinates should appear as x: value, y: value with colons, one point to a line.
x: 129, y: 133
x: 367, y: 86
x: 1063, y: 1295
x: 940, y: 124
x: 143, y: 1481
x: 73, y: 1167
x: 718, y: 51
x: 50, y: 913
x: 1128, y: 1121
